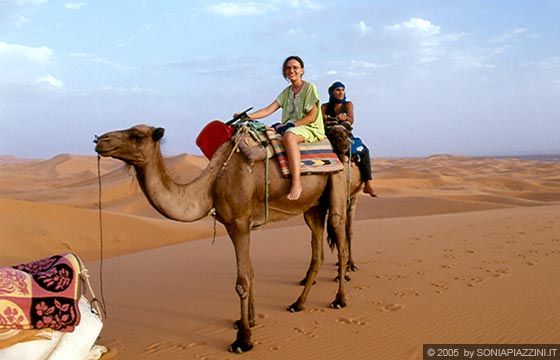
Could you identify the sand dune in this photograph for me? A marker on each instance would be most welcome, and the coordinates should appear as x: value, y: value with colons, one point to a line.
x: 455, y: 250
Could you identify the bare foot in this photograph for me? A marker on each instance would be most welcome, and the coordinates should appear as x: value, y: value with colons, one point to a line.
x: 295, y: 192
x: 368, y: 189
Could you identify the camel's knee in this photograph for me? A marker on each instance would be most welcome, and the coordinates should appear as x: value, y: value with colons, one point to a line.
x: 241, y: 291
x: 337, y: 220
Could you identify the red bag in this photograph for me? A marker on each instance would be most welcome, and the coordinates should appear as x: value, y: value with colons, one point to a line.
x: 212, y: 136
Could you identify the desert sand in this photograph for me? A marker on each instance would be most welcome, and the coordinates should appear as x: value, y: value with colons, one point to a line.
x: 454, y: 250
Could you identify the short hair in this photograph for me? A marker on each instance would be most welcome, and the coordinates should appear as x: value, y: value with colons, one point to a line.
x: 292, y: 57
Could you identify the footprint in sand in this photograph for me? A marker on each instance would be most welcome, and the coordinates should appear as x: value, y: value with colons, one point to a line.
x: 391, y: 307
x: 350, y: 321
x: 195, y: 344
x: 261, y: 316
x: 471, y: 281
x: 500, y: 272
x: 406, y: 292
x: 302, y: 331
x: 315, y: 310
x: 165, y: 345
x: 440, y: 287
x: 361, y: 287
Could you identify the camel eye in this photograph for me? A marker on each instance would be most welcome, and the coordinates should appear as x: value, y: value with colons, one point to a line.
x: 135, y: 136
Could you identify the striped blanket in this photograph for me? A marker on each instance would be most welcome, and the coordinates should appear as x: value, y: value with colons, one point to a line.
x: 316, y: 157
x: 41, y: 294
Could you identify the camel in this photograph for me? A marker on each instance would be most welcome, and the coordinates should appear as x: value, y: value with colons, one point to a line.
x: 323, y: 196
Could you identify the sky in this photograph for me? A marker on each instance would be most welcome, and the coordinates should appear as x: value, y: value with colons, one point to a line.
x: 463, y: 77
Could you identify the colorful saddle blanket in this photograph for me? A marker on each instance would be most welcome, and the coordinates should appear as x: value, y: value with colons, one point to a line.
x: 41, y: 294
x: 316, y: 157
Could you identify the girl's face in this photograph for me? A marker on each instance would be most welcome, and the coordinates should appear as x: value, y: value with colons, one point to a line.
x: 338, y: 93
x: 293, y: 70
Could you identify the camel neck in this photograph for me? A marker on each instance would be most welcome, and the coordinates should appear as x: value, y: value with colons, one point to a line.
x: 182, y: 202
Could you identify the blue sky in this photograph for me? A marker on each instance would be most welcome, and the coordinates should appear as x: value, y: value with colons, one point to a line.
x: 472, y: 77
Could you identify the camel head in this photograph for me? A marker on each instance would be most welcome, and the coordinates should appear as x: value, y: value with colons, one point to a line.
x: 135, y: 146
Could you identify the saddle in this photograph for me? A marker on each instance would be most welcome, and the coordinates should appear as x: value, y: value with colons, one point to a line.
x: 258, y: 143
x: 43, y: 294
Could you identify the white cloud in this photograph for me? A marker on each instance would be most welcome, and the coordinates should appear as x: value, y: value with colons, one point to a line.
x: 363, y: 64
x: 50, y: 81
x: 362, y: 28
x: 253, y: 8
x: 422, y: 38
x: 300, y: 34
x: 74, y: 5
x: 20, y: 20
x: 88, y: 58
x: 39, y: 55
x: 245, y: 8
x: 509, y: 35
x: 353, y: 68
x: 551, y: 63
x: 470, y: 60
x: 7, y: 4
x: 305, y: 4
x: 416, y: 25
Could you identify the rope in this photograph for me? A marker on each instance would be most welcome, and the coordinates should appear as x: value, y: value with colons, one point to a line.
x: 95, y: 300
x: 213, y: 214
x: 349, y: 176
x: 259, y: 127
x: 235, y: 146
x: 94, y: 303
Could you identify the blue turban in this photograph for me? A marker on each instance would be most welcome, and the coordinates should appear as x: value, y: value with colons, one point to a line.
x: 332, y: 99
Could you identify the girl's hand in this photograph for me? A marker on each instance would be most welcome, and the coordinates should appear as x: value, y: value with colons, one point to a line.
x: 281, y: 128
x: 246, y: 117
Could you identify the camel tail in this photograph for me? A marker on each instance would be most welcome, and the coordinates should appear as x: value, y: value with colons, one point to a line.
x: 331, y: 237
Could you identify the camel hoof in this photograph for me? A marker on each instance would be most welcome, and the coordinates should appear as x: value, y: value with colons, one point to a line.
x: 338, y: 303
x: 239, y: 348
x: 295, y: 307
x: 346, y: 277
x: 352, y: 267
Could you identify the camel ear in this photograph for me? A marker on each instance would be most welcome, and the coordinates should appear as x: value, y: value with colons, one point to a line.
x: 158, y: 134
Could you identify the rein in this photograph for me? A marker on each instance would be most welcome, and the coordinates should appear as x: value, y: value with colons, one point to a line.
x: 349, y: 179
x: 257, y: 127
x: 95, y: 300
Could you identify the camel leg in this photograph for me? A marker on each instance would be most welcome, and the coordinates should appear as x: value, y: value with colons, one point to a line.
x: 337, y: 222
x: 315, y: 220
x: 350, y: 215
x: 239, y: 234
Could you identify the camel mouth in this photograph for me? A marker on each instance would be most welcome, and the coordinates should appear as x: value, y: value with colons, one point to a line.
x: 102, y: 146
x: 102, y: 149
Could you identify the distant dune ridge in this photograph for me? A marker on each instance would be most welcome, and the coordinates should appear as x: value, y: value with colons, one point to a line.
x: 455, y: 250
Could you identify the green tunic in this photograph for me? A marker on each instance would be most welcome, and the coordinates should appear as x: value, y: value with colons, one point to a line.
x: 295, y: 107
